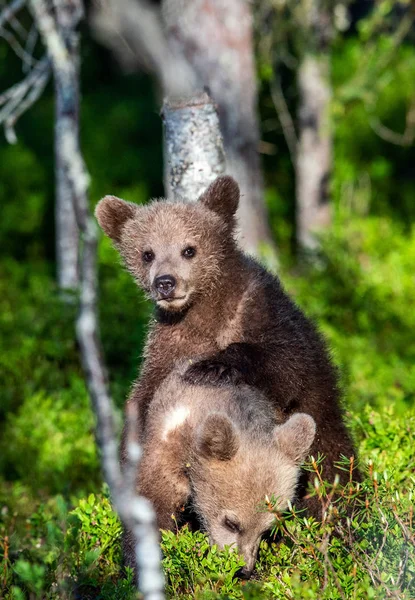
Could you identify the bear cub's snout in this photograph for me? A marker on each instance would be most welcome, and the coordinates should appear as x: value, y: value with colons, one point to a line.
x: 165, y: 285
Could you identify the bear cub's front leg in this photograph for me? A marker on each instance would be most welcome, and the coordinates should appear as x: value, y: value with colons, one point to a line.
x: 162, y: 479
x: 233, y: 365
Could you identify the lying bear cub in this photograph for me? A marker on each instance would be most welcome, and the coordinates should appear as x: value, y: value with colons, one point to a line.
x: 215, y: 303
x: 223, y: 450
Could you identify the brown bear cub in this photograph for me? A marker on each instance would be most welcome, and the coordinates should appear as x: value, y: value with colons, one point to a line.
x: 220, y: 307
x: 221, y: 449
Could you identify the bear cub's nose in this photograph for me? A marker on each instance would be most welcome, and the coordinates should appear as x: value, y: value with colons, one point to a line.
x: 165, y: 285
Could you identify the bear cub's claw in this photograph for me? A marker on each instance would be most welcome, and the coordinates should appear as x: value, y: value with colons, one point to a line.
x: 212, y: 372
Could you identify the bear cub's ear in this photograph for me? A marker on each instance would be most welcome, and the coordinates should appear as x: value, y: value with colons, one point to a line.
x: 112, y: 213
x: 222, y: 196
x: 295, y: 437
x: 217, y: 438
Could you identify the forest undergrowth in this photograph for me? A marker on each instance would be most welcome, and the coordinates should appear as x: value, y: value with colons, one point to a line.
x: 59, y: 537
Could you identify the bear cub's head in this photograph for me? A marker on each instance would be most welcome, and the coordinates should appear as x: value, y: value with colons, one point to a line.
x: 174, y: 249
x: 232, y: 474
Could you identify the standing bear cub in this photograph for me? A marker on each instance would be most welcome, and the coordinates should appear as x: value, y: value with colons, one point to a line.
x: 223, y: 450
x: 221, y: 308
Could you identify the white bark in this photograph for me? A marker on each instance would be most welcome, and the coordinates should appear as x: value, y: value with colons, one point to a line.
x: 314, y: 150
x: 194, y: 154
x: 136, y: 512
x: 66, y: 118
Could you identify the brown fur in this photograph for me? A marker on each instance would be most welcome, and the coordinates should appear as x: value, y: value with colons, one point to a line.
x: 223, y: 450
x: 228, y: 312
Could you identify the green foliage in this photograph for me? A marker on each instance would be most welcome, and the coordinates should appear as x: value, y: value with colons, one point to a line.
x: 362, y: 549
x: 58, y: 449
x: 359, y: 291
x: 192, y: 566
x: 387, y: 441
x: 364, y: 301
x: 36, y: 332
x: 372, y: 70
x: 93, y: 540
x: 28, y: 199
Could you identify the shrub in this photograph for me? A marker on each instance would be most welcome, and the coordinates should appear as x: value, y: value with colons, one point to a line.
x: 191, y: 565
x: 93, y: 540
x: 361, y: 294
x: 50, y: 442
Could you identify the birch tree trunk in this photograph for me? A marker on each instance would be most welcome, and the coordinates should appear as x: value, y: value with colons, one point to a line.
x: 66, y: 118
x: 216, y: 39
x: 57, y: 29
x: 193, y: 149
x: 314, y: 150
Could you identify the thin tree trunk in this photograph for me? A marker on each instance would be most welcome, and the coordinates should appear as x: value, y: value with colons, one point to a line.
x: 66, y: 118
x: 314, y: 150
x: 193, y: 147
x: 135, y: 511
x: 216, y: 38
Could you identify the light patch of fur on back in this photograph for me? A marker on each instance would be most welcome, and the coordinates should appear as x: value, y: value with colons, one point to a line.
x: 174, y: 419
x: 232, y: 331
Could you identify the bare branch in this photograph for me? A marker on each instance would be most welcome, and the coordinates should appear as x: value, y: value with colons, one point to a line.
x: 31, y: 41
x: 22, y: 96
x: 10, y: 10
x: 53, y: 41
x: 285, y: 118
x: 314, y: 150
x: 399, y: 139
x: 18, y: 28
x: 17, y: 47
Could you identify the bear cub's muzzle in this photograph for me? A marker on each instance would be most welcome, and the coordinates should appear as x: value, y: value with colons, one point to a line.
x: 164, y: 286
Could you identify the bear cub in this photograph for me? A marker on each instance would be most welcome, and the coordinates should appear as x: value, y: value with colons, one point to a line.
x: 220, y: 305
x: 222, y: 309
x: 222, y: 450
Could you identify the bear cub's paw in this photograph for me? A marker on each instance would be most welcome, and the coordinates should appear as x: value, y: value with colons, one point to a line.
x: 210, y: 371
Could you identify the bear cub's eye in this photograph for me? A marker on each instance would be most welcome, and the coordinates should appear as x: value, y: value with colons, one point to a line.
x: 148, y: 256
x: 189, y: 252
x: 232, y: 525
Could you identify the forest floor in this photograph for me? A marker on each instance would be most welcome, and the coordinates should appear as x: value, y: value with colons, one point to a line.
x: 59, y: 537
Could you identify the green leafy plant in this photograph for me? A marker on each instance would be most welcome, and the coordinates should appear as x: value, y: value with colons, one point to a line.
x: 192, y: 565
x: 93, y: 537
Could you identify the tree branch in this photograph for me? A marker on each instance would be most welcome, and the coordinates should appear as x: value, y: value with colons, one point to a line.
x: 15, y: 45
x: 399, y: 139
x: 10, y: 10
x: 285, y: 118
x: 22, y: 96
